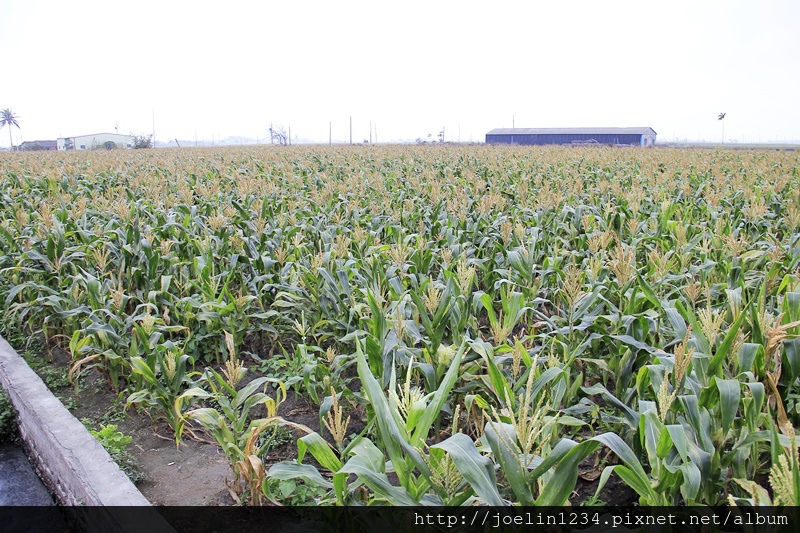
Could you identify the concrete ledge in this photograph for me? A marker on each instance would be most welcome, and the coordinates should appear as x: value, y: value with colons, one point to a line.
x: 75, y: 467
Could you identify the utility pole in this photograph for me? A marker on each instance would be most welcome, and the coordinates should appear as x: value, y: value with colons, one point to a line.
x: 330, y: 132
x: 351, y: 129
x: 512, y: 121
x: 370, y: 132
x: 153, y: 110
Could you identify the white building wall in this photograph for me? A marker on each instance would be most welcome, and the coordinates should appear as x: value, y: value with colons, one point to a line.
x: 95, y: 141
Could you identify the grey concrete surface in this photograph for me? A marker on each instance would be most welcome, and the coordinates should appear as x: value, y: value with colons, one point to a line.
x: 19, y: 484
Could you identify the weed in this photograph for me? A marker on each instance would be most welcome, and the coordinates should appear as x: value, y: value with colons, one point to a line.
x: 8, y: 418
x: 293, y: 492
x: 116, y: 444
x: 53, y: 376
x: 274, y: 438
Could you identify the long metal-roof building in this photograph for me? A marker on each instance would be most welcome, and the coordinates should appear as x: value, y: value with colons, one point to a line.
x: 573, y: 136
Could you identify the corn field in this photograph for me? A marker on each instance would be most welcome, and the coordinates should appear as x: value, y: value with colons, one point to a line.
x: 497, y: 318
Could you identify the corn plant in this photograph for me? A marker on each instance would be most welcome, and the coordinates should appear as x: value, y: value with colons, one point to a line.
x: 163, y: 379
x: 231, y: 425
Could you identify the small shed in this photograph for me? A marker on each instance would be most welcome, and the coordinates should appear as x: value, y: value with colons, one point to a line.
x: 573, y: 136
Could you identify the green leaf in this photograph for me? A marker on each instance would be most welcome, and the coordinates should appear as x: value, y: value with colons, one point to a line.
x: 378, y: 482
x: 499, y: 383
x: 502, y: 439
x: 544, y: 378
x: 650, y: 431
x: 664, y: 444
x: 206, y: 416
x: 647, y: 290
x: 729, y: 395
x: 488, y: 304
x: 627, y: 339
x: 678, y: 438
x: 791, y: 307
x: 747, y: 356
x: 140, y: 367
x: 677, y: 321
x: 722, y: 352
x: 370, y: 453
x: 632, y: 472
x: 692, y: 481
x: 691, y: 406
x: 637, y: 483
x: 440, y: 397
x: 320, y: 449
x: 631, y: 416
x: 286, y: 470
x: 477, y: 469
x: 526, y: 357
x: 562, y: 483
x: 791, y: 357
x: 246, y: 391
x: 393, y: 436
x: 697, y: 331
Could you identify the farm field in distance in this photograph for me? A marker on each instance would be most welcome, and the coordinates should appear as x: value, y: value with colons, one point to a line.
x: 476, y: 324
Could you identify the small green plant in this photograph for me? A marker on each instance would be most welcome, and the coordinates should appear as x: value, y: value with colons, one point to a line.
x: 8, y: 418
x: 111, y: 439
x: 293, y: 492
x: 69, y: 402
x: 54, y: 377
x: 116, y: 444
x: 287, y: 368
x: 116, y: 412
x: 274, y: 438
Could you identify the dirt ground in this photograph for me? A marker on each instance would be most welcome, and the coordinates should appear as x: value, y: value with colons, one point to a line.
x: 193, y: 474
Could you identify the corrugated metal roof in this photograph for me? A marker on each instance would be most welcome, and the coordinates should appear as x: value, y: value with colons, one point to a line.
x: 571, y: 131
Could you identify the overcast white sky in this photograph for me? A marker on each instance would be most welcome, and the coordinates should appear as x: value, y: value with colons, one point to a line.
x: 224, y: 68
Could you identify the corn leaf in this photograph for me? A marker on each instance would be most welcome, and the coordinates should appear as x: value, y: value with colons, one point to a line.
x: 290, y: 470
x: 729, y: 395
x: 477, y: 469
x: 320, y: 449
x: 378, y: 482
x: 502, y: 439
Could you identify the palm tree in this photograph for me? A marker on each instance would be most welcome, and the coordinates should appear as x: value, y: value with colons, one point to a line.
x: 722, y: 118
x: 7, y: 117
